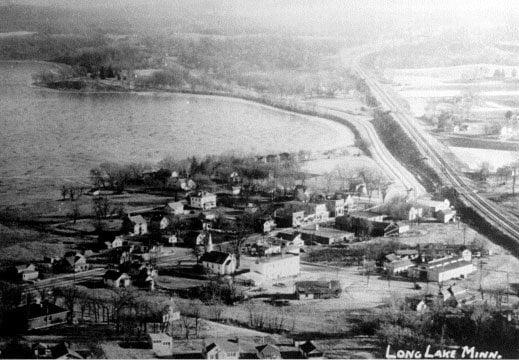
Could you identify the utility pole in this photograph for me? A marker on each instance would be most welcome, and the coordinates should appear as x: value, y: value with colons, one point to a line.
x: 481, y: 277
x: 507, y: 287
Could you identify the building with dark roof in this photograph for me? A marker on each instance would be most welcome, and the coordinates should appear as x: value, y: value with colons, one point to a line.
x: 318, y: 289
x: 223, y: 349
x: 219, y: 262
x: 42, y: 315
x: 310, y: 351
x: 116, y: 279
x: 268, y: 351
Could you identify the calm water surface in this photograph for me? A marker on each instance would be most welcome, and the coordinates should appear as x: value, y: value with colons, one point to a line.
x: 50, y: 137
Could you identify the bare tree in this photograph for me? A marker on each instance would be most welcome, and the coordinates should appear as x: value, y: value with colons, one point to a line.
x: 217, y: 310
x: 70, y: 295
x: 372, y: 178
x: 75, y: 211
x: 121, y: 299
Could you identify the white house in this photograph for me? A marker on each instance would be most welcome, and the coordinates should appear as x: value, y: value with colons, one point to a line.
x: 349, y: 203
x: 268, y: 226
x: 116, y: 279
x: 172, y: 239
x: 446, y: 216
x: 415, y: 213
x: 219, y: 262
x: 175, y: 207
x: 26, y: 272
x: 291, y: 238
x: 336, y: 207
x: 432, y: 206
x: 137, y: 225
x: 271, y: 249
x: 316, y: 213
x: 222, y: 349
x: 164, y: 223
x: 276, y: 267
x: 119, y: 241
x: 161, y: 344
x: 203, y: 200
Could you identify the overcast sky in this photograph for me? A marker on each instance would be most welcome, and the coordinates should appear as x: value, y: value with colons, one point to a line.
x: 319, y: 15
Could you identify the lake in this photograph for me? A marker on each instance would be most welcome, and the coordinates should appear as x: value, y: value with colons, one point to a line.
x: 50, y: 137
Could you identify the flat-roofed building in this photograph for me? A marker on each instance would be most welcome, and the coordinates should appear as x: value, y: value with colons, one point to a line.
x: 276, y: 267
x: 459, y: 269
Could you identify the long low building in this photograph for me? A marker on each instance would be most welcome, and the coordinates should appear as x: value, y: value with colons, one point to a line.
x: 398, y: 266
x: 451, y: 271
x: 321, y: 235
x: 276, y: 267
x: 445, y: 268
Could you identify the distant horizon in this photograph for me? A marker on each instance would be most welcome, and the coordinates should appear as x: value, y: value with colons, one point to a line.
x: 316, y: 16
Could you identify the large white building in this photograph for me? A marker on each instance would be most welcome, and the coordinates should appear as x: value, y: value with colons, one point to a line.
x: 451, y: 271
x: 203, y: 200
x: 446, y: 268
x: 276, y: 267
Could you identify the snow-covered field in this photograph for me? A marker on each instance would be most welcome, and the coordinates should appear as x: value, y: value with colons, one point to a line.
x: 422, y: 86
x: 474, y: 158
x: 445, y: 74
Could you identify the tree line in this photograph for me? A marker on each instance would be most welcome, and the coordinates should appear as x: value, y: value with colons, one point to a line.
x: 204, y: 171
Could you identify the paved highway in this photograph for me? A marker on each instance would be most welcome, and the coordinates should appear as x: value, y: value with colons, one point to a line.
x: 399, y: 175
x: 496, y: 216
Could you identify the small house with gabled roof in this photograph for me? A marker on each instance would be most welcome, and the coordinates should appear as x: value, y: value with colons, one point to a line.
x: 41, y: 315
x: 222, y: 349
x: 116, y: 279
x: 175, y: 207
x: 268, y: 351
x: 135, y: 225
x: 25, y: 272
x: 309, y: 350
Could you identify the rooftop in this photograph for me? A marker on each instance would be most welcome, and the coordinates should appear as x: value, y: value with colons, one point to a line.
x: 229, y: 346
x: 311, y: 286
x: 112, y: 275
x: 137, y: 219
x: 453, y: 265
x: 287, y: 235
x: 43, y: 309
x: 216, y: 257
x: 275, y: 258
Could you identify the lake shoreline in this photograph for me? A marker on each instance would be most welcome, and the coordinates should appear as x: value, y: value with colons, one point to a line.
x: 267, y: 101
x: 168, y: 115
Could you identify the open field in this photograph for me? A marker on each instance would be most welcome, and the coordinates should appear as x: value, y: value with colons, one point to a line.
x: 474, y: 158
x: 473, y: 93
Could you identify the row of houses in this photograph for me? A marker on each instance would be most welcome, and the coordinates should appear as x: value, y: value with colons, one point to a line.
x: 298, y: 214
x: 163, y: 345
x: 136, y: 224
x: 71, y: 262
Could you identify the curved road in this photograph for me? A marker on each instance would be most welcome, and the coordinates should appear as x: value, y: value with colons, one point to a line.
x: 401, y: 178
